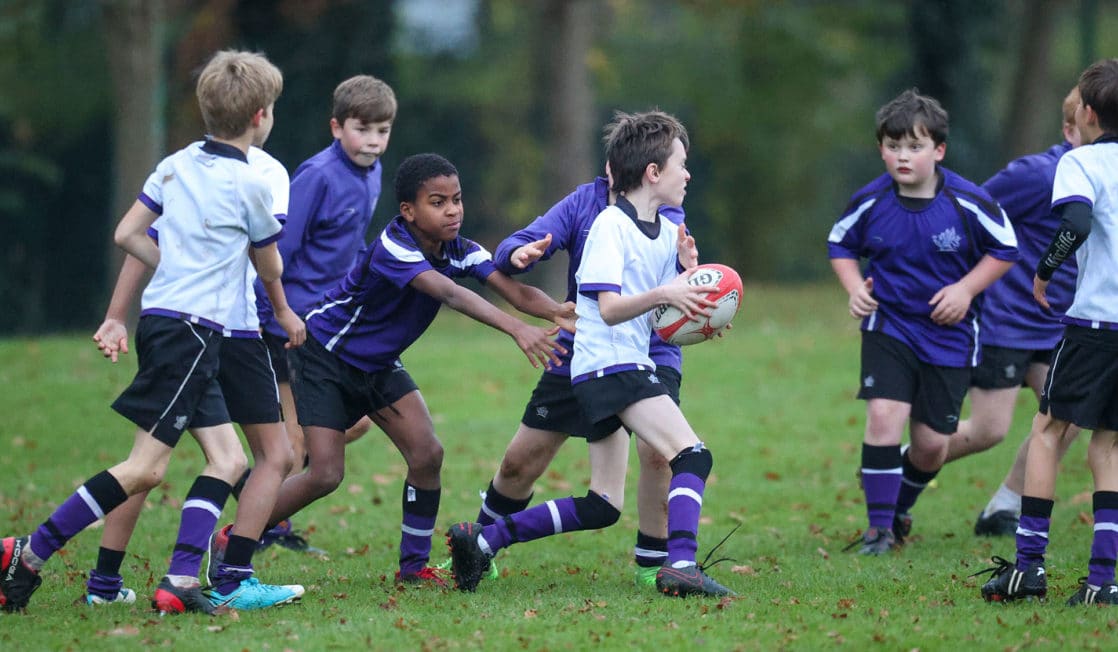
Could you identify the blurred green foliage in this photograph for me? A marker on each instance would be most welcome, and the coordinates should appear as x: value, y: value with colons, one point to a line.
x: 779, y: 98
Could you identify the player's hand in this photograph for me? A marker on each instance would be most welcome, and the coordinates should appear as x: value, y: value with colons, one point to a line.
x: 1040, y: 292
x: 685, y: 246
x: 951, y: 304
x: 525, y: 255
x: 538, y: 345
x: 691, y: 300
x: 565, y: 318
x: 112, y: 338
x: 862, y: 303
x: 294, y: 327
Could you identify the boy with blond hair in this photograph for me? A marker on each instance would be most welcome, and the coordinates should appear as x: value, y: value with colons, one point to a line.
x: 215, y: 216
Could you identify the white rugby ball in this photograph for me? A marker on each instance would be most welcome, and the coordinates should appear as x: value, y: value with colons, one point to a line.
x: 675, y: 328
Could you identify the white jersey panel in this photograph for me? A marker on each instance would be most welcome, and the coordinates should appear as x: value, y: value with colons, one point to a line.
x: 619, y: 257
x: 1090, y: 174
x: 244, y: 317
x: 213, y: 207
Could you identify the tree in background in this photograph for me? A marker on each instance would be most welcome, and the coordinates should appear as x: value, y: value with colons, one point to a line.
x: 779, y: 98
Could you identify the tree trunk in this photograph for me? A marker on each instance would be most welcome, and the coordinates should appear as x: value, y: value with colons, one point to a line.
x: 134, y: 48
x: 570, y: 27
x: 1034, y: 109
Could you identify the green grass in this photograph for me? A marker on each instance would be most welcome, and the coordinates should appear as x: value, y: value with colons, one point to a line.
x: 774, y: 402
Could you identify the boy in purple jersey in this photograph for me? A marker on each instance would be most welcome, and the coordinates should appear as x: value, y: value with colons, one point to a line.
x: 934, y: 241
x: 552, y: 413
x: 200, y: 275
x: 333, y: 196
x: 248, y: 385
x: 350, y: 366
x: 1082, y: 383
x: 1017, y: 334
x: 630, y: 264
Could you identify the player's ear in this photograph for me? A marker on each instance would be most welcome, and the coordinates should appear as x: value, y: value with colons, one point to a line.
x: 258, y: 117
x: 407, y: 210
x: 335, y: 128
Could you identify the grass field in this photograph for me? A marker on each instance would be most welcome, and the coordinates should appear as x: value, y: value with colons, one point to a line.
x: 774, y: 402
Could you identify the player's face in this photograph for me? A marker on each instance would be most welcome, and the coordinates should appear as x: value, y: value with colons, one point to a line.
x: 264, y: 127
x: 437, y: 212
x: 363, y: 142
x: 673, y: 177
x: 912, y: 162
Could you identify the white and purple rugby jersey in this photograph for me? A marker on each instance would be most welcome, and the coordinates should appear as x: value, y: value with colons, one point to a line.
x: 374, y: 314
x: 630, y: 257
x: 1089, y: 174
x: 1011, y: 317
x: 569, y: 222
x: 212, y: 205
x: 915, y: 252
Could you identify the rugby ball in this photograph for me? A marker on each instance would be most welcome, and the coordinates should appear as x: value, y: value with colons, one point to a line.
x: 675, y: 328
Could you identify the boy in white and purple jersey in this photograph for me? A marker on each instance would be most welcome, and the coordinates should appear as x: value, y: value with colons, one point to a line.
x: 212, y: 208
x: 350, y: 366
x: 333, y: 196
x: 629, y: 265
x: 1017, y: 334
x: 1082, y: 384
x: 933, y: 242
x: 553, y: 413
x: 248, y: 385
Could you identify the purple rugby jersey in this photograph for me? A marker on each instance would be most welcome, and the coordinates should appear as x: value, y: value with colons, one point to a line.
x: 374, y: 314
x: 569, y: 222
x: 913, y: 253
x: 331, y: 207
x: 1011, y: 318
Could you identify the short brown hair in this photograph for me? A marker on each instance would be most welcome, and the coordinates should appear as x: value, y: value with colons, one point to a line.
x: 232, y: 87
x: 633, y: 140
x: 909, y: 111
x: 1071, y: 102
x: 366, y: 98
x: 1098, y: 86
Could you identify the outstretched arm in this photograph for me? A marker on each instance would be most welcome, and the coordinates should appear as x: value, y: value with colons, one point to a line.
x: 535, y: 342
x: 532, y: 301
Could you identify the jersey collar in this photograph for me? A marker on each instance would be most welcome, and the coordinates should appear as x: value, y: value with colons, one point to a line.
x: 223, y: 149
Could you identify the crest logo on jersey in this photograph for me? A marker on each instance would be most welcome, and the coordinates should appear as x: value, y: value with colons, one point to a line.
x: 868, y: 381
x: 948, y: 240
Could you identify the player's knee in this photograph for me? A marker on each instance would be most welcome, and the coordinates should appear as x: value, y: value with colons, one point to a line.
x: 516, y: 468
x: 696, y: 460
x: 427, y: 461
x: 325, y: 478
x: 229, y: 466
x: 595, y: 512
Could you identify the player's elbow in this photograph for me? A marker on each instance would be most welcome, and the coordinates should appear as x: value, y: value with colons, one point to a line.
x: 611, y: 316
